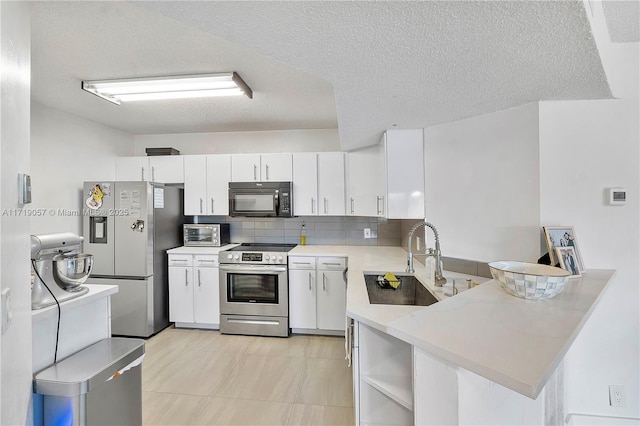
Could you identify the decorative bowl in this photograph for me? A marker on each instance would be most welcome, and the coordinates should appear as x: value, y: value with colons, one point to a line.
x: 529, y: 280
x: 70, y: 272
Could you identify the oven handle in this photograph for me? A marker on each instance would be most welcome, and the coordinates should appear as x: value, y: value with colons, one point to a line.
x: 253, y: 269
x: 254, y: 321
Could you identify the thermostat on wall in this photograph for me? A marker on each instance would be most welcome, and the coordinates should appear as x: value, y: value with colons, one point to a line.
x: 617, y: 196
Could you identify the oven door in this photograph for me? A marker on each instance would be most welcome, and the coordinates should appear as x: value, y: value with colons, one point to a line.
x: 254, y: 290
x: 253, y: 202
x: 199, y: 235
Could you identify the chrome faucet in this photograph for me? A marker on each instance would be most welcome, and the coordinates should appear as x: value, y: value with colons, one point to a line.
x: 439, y: 279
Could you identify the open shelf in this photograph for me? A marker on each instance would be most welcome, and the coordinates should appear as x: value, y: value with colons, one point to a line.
x: 379, y: 409
x: 397, y: 388
x: 385, y: 378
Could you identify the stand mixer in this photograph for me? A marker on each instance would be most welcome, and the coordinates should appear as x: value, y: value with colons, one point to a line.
x: 60, y: 267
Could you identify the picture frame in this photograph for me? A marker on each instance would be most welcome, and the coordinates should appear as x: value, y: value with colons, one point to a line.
x: 568, y: 260
x: 562, y: 236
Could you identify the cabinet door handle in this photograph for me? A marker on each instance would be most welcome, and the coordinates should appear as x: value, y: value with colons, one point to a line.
x: 380, y: 205
x: 266, y: 169
x: 142, y: 169
x: 302, y: 263
x: 200, y: 205
x: 178, y: 260
x: 255, y: 176
x: 351, y: 205
x: 309, y: 281
x: 324, y: 282
x: 186, y: 277
x: 313, y: 202
x: 212, y: 209
x: 153, y: 174
x: 325, y: 205
x: 332, y: 263
x: 199, y: 281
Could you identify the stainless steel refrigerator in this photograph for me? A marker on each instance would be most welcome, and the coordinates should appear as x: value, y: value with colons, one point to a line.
x: 128, y: 227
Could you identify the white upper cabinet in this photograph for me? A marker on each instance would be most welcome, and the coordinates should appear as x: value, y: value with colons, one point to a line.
x: 218, y: 177
x: 331, y: 184
x: 162, y: 169
x: 245, y: 168
x: 276, y: 167
x: 404, y: 155
x: 195, y: 184
x: 318, y: 184
x: 261, y: 167
x: 133, y: 168
x: 305, y: 184
x: 206, y: 184
x: 366, y: 182
x: 167, y: 168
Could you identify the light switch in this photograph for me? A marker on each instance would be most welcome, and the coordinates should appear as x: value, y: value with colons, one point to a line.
x: 24, y: 189
x: 7, y: 311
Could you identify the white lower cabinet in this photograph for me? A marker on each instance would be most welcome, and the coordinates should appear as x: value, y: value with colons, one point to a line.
x: 194, y: 283
x: 382, y: 376
x: 317, y: 294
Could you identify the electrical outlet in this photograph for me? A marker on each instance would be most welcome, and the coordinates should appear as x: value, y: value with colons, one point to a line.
x: 367, y: 232
x: 616, y: 396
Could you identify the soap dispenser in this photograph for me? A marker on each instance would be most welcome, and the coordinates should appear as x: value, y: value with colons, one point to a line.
x: 430, y: 264
x: 303, y: 236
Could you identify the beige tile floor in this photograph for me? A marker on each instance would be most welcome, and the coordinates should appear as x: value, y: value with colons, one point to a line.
x: 201, y: 377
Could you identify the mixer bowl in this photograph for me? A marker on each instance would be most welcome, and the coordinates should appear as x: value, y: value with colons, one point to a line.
x: 70, y: 272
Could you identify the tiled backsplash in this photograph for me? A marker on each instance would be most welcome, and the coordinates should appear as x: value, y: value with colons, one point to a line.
x: 328, y: 230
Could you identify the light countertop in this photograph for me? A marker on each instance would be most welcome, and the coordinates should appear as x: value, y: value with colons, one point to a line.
x: 515, y: 342
x: 95, y: 292
x: 200, y: 250
x: 381, y: 259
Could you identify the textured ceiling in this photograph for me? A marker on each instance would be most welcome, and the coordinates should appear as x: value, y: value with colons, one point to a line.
x: 74, y: 41
x: 623, y: 20
x: 368, y: 66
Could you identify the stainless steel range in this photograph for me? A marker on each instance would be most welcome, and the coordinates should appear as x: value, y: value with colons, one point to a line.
x: 254, y: 290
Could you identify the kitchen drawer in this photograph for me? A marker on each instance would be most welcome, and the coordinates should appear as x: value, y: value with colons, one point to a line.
x: 332, y: 263
x: 206, y: 261
x: 302, y: 262
x: 180, y: 260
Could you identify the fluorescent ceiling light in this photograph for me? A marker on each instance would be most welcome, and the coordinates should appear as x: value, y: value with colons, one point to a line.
x: 174, y: 87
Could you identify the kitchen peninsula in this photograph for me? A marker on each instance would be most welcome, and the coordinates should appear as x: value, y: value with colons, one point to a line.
x: 482, y: 356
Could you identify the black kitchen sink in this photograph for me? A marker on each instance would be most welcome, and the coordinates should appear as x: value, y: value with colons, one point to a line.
x: 409, y: 292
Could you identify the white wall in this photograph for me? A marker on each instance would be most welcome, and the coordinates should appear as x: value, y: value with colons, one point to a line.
x: 549, y: 164
x: 482, y: 185
x: 242, y: 142
x: 585, y: 147
x: 65, y: 151
x: 15, y: 75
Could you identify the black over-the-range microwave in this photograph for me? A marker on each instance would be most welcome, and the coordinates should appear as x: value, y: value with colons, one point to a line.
x: 261, y: 199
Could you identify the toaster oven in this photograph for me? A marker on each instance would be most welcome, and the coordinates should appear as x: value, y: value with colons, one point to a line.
x: 206, y: 235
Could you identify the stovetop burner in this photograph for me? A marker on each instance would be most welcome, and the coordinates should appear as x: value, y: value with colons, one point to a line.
x: 263, y: 247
